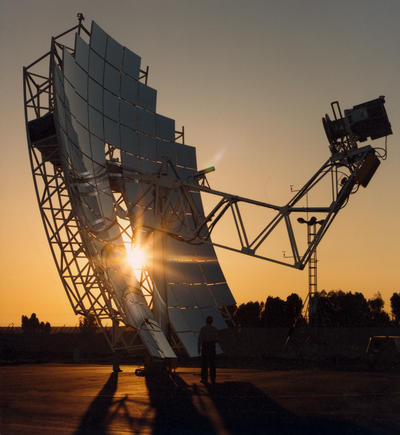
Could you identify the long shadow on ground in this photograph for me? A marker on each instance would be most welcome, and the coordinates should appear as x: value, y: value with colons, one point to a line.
x: 120, y: 411
x: 95, y: 420
x: 237, y: 407
x: 245, y: 409
x: 180, y: 408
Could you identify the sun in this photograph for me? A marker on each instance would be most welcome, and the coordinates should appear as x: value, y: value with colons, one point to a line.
x: 136, y: 258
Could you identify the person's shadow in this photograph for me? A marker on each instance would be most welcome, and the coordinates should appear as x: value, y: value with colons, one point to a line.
x: 175, y: 412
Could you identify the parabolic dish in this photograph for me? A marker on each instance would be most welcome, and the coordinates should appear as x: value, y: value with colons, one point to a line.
x: 110, y: 144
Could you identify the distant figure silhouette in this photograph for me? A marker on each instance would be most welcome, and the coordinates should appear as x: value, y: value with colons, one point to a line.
x: 206, y: 345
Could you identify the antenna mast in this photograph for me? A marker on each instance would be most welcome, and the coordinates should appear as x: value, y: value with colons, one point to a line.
x: 312, y: 266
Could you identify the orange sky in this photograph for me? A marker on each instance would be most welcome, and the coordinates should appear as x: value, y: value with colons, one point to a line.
x: 250, y: 81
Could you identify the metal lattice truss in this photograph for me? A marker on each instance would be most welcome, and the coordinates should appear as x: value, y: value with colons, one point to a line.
x: 87, y: 292
x: 342, y: 170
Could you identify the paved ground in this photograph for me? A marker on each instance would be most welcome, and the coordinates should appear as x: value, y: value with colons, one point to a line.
x: 88, y: 399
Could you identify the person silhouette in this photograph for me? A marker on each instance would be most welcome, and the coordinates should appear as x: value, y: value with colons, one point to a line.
x: 206, y: 348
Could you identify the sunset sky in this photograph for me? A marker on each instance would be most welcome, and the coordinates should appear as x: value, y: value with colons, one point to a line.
x: 250, y: 81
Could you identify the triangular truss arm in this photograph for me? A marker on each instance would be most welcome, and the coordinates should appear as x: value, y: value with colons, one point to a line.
x: 343, y: 178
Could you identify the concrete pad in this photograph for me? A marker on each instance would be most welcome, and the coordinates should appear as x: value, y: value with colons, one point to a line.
x: 89, y: 399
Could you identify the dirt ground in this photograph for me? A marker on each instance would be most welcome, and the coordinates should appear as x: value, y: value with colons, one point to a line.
x: 90, y: 399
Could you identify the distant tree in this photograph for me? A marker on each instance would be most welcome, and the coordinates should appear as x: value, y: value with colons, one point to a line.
x: 278, y: 312
x: 294, y: 305
x: 248, y: 314
x: 377, y: 316
x: 25, y: 323
x: 359, y: 308
x: 348, y: 309
x: 88, y: 324
x: 395, y: 305
x: 32, y: 324
x: 275, y: 313
x: 376, y: 304
x: 337, y: 308
x: 45, y: 327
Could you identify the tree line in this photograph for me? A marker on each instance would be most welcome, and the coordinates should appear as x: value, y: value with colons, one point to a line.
x: 333, y: 308
x: 31, y: 325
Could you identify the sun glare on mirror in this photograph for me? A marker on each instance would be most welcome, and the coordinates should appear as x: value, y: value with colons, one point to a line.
x: 136, y: 258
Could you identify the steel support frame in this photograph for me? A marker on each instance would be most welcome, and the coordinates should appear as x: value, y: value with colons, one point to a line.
x: 86, y: 290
